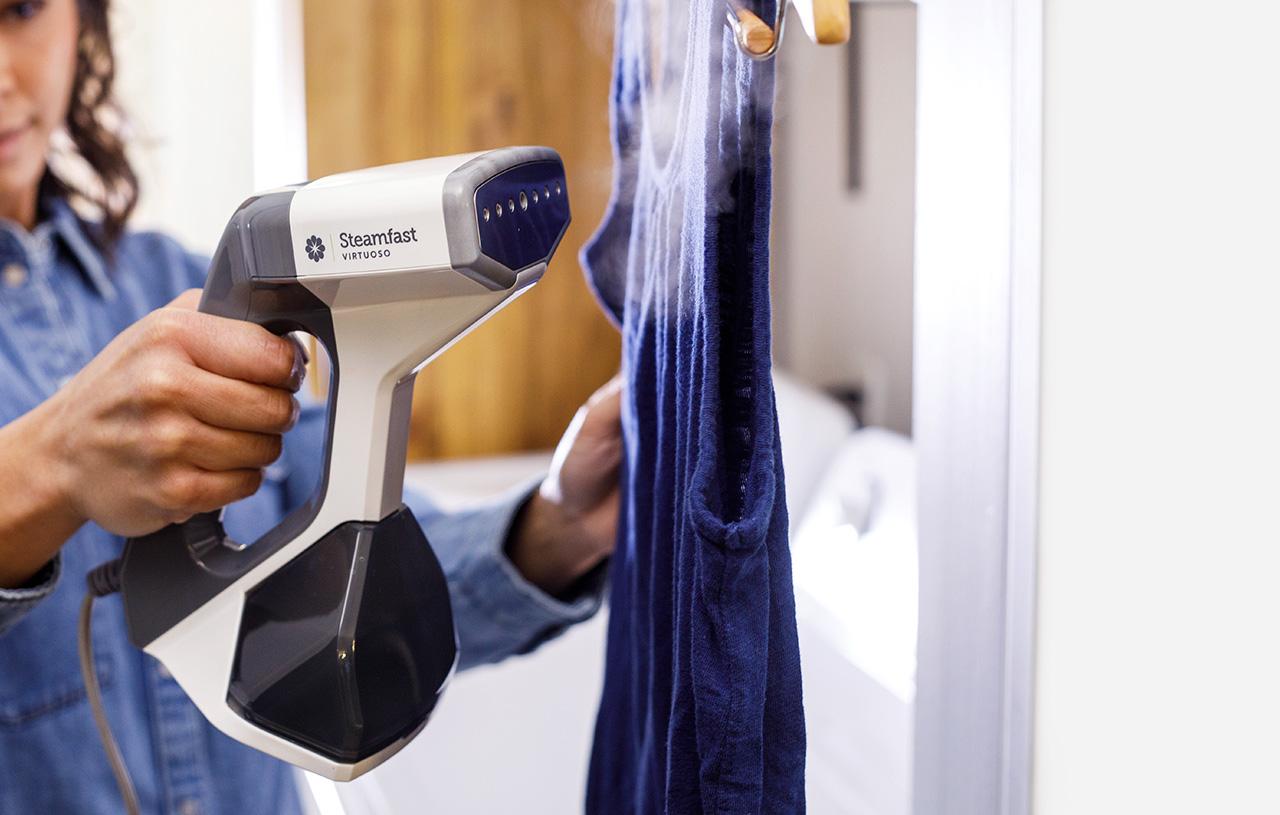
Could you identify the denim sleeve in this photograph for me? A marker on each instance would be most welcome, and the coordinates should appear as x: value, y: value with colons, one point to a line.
x: 497, y: 612
x: 15, y: 603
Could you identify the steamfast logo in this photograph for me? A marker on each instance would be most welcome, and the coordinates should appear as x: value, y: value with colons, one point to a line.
x: 362, y: 246
x: 315, y: 248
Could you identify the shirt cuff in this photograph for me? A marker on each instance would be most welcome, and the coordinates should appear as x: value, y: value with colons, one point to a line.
x: 15, y: 603
x: 497, y: 612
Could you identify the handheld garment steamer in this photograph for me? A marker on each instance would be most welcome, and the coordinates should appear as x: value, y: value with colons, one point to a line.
x: 327, y: 642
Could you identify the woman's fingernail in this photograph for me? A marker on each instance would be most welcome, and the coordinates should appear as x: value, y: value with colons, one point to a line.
x: 299, y: 371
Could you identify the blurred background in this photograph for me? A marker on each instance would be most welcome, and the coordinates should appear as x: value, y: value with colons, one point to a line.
x: 244, y: 95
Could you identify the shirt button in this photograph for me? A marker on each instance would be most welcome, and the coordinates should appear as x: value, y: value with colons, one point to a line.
x: 13, y: 275
x: 189, y: 806
x: 163, y: 671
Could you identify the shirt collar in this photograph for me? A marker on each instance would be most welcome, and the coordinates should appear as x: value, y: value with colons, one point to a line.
x: 67, y: 225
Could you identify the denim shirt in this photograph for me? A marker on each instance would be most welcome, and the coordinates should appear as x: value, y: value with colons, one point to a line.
x: 60, y: 304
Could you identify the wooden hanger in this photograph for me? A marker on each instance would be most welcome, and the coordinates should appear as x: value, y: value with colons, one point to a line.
x: 825, y: 21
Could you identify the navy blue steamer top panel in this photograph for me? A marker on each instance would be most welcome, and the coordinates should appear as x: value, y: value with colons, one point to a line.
x: 522, y: 212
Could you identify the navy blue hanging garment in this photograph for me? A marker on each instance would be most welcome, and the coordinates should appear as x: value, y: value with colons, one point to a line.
x: 701, y: 710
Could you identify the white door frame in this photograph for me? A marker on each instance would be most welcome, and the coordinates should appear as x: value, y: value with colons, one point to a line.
x: 976, y: 400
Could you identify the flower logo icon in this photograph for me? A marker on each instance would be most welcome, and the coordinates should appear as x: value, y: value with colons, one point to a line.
x: 315, y: 248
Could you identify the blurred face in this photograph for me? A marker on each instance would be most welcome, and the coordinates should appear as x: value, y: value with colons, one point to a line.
x: 37, y: 68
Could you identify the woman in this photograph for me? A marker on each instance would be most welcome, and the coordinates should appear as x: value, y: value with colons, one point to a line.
x: 122, y: 409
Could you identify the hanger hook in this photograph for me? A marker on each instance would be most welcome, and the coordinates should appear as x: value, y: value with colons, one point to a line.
x: 754, y: 36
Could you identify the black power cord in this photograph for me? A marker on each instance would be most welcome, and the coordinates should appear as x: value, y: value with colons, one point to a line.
x: 103, y: 580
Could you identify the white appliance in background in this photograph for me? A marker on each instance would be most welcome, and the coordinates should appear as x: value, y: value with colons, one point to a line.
x: 516, y: 737
x: 854, y: 557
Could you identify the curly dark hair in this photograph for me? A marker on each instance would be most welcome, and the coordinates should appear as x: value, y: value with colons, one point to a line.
x: 93, y: 124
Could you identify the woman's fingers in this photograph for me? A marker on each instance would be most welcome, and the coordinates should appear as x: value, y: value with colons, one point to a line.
x: 187, y: 491
x: 604, y: 412
x: 236, y: 405
x: 232, y: 348
x: 584, y: 469
x: 218, y: 450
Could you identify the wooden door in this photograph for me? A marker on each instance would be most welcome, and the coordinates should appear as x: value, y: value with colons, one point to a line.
x: 395, y: 80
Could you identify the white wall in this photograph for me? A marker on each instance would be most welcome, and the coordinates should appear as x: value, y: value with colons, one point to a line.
x: 214, y: 93
x: 843, y: 258
x: 1158, y: 673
